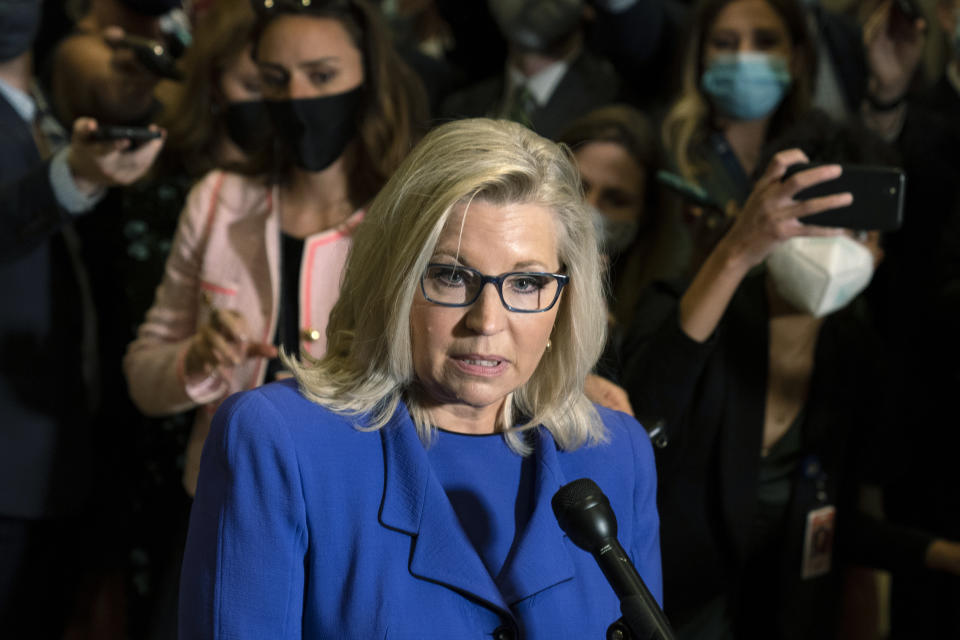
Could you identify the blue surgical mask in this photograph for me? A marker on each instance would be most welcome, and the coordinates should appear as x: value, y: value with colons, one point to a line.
x: 746, y: 86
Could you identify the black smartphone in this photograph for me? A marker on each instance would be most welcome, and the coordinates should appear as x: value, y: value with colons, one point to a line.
x: 134, y: 134
x: 878, y: 194
x: 154, y: 55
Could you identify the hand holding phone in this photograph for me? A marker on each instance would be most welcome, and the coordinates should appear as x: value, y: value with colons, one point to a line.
x: 878, y: 194
x: 96, y: 164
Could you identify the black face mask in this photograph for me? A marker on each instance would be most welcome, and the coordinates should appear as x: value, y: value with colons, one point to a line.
x: 316, y: 130
x: 19, y: 21
x: 248, y: 124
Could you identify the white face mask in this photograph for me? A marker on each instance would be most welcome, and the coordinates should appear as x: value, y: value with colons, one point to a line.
x: 820, y: 275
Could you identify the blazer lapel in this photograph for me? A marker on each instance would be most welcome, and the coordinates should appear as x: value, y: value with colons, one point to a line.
x: 415, y: 503
x: 540, y: 558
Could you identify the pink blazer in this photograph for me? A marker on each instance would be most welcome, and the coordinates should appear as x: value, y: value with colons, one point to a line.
x: 226, y: 255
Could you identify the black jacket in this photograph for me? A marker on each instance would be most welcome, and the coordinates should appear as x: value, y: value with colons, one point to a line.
x: 44, y: 400
x: 589, y: 82
x: 712, y: 397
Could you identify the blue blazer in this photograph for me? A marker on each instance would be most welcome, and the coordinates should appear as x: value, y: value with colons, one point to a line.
x: 305, y: 527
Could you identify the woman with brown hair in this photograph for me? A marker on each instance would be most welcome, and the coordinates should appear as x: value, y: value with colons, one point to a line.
x: 215, y: 116
x: 257, y: 258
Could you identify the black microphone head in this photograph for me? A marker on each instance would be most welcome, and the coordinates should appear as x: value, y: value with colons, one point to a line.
x: 584, y: 514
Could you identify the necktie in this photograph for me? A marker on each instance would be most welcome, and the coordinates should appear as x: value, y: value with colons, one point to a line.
x: 521, y: 106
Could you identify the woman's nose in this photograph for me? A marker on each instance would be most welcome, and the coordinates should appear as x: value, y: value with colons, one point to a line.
x: 300, y: 87
x: 486, y: 315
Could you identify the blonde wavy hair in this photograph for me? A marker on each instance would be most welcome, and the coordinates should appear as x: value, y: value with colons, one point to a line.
x: 687, y: 122
x: 368, y: 369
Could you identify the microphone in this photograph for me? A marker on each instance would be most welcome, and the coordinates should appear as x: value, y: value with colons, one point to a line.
x: 585, y: 515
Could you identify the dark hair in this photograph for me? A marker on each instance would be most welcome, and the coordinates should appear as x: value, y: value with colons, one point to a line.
x: 643, y: 260
x: 393, y: 112
x: 823, y: 139
x: 221, y: 34
x: 617, y: 123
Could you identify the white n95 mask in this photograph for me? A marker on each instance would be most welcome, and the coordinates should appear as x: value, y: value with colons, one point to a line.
x: 820, y: 275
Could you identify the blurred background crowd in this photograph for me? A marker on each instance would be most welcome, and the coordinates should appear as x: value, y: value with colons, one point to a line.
x: 179, y: 182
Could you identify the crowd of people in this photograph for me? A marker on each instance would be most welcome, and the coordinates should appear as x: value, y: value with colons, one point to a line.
x: 255, y: 384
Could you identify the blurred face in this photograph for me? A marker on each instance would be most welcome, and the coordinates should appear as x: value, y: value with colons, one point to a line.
x: 613, y: 182
x: 468, y: 359
x: 307, y: 57
x: 240, y: 80
x: 948, y: 15
x: 747, y: 26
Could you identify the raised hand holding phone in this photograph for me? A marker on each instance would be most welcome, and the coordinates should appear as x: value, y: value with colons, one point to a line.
x: 770, y: 216
x: 99, y: 163
x: 771, y: 213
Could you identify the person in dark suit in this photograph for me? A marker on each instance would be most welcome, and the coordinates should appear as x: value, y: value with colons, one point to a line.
x: 46, y: 335
x: 550, y: 77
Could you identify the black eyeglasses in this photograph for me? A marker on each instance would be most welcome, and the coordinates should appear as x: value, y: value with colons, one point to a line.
x: 452, y: 285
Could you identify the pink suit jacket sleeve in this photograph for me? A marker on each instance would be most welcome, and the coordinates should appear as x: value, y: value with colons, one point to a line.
x: 154, y: 361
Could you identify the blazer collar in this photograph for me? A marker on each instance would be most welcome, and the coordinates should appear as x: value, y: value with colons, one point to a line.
x: 415, y: 503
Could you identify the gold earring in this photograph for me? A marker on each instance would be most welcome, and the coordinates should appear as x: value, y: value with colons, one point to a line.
x: 549, y: 344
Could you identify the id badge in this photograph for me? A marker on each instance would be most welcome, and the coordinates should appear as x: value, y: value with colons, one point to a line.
x: 818, y: 542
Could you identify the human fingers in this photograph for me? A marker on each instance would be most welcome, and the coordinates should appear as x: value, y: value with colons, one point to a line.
x: 778, y: 166
x: 83, y: 128
x: 202, y: 356
x: 619, y: 401
x: 607, y: 394
x: 819, y: 204
x: 225, y: 353
x: 137, y: 162
x: 807, y: 178
x: 230, y: 324
x: 113, y: 35
x: 261, y: 350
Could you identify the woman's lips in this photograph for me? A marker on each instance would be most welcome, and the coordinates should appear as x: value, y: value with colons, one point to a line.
x: 480, y: 365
